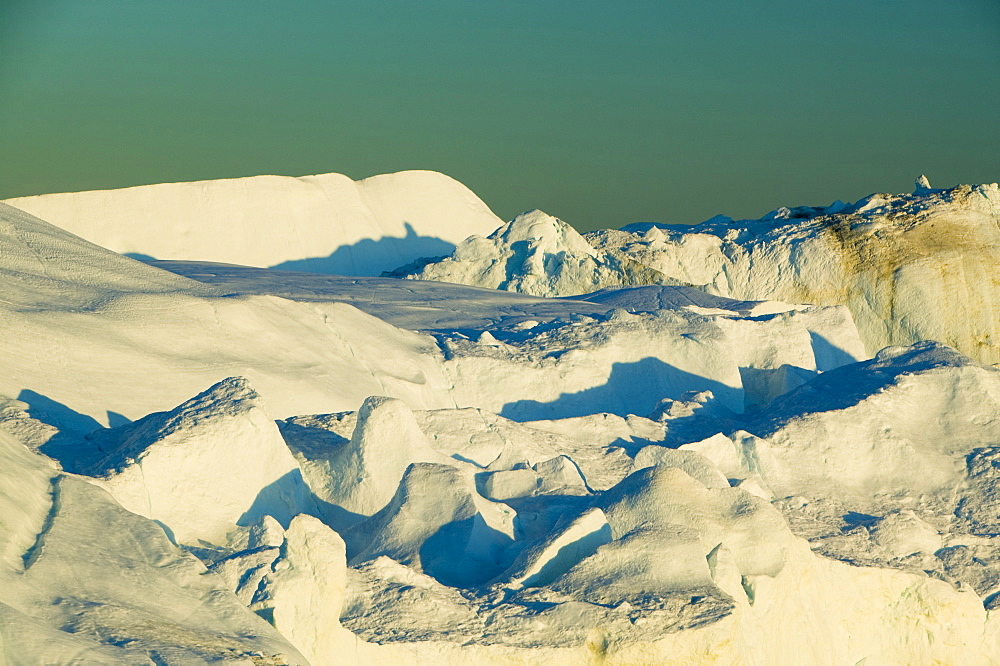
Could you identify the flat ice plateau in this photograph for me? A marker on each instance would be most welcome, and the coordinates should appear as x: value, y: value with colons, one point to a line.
x: 334, y: 422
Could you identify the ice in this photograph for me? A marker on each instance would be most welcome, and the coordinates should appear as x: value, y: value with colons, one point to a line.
x: 535, y: 254
x: 899, y: 424
x: 304, y: 592
x: 708, y: 452
x: 439, y: 525
x: 749, y: 527
x: 87, y: 329
x: 693, y: 464
x: 553, y: 557
x: 909, y: 267
x: 82, y: 578
x: 559, y: 475
x: 45, y: 267
x: 718, y: 449
x: 168, y: 466
x: 366, y: 471
x: 25, y: 500
x: 326, y: 223
x: 629, y: 570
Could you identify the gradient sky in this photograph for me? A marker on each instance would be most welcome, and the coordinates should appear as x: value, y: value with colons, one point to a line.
x: 600, y: 113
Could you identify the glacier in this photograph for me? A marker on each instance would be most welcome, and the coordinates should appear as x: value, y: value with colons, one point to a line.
x: 768, y: 441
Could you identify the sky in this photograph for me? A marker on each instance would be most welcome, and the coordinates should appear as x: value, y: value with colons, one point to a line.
x: 600, y: 113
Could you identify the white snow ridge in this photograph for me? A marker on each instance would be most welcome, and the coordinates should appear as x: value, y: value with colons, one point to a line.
x: 742, y: 442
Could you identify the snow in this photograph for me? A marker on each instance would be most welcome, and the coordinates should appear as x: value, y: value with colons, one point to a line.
x: 84, y: 343
x: 213, y: 463
x: 550, y: 559
x: 909, y: 267
x: 84, y: 579
x: 164, y: 466
x: 367, y: 470
x: 326, y: 223
x: 535, y: 254
x: 892, y: 260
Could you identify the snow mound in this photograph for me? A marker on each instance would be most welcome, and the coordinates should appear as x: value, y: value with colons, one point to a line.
x: 365, y: 472
x: 550, y: 558
x: 692, y: 463
x: 533, y: 254
x: 629, y: 570
x: 888, y: 463
x: 687, y: 257
x: 299, y: 583
x: 215, y: 461
x: 326, y: 223
x: 752, y: 530
x: 560, y: 475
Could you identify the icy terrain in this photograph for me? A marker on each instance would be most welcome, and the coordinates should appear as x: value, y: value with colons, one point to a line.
x: 533, y: 254
x: 688, y: 458
x: 909, y: 267
x: 326, y: 223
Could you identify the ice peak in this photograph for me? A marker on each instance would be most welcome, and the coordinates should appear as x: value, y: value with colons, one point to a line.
x: 231, y: 396
x: 544, y: 231
x: 921, y: 184
x: 535, y: 253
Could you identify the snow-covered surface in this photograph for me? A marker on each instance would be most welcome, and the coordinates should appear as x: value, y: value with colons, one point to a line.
x: 118, y: 339
x: 910, y: 267
x: 214, y: 463
x: 165, y: 466
x: 533, y: 254
x: 326, y: 223
x: 83, y: 346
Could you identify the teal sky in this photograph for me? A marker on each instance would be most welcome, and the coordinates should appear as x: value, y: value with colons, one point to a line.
x: 600, y: 113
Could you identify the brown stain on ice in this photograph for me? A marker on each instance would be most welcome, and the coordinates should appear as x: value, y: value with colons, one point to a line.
x: 597, y: 647
x: 872, y: 254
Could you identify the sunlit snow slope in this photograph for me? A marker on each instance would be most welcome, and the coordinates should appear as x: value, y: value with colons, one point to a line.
x: 90, y: 336
x: 326, y: 223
